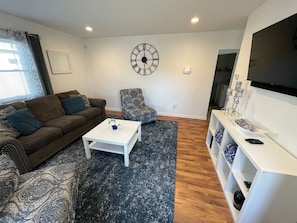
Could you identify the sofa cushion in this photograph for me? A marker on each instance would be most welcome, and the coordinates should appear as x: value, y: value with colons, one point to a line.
x: 9, y: 179
x: 24, y: 121
x: 67, y: 122
x: 5, y: 111
x: 45, y: 195
x: 6, y: 129
x: 46, y: 108
x: 40, y: 138
x: 73, y: 105
x: 84, y: 97
x: 89, y: 113
x: 65, y: 95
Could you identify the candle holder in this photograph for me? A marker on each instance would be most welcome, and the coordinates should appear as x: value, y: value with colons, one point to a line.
x: 237, y: 95
x: 228, y: 94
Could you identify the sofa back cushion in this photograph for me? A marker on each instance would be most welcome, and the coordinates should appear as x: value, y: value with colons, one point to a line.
x: 65, y: 95
x: 46, y: 108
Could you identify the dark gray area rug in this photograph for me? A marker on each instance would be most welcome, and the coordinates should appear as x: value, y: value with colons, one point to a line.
x: 140, y: 193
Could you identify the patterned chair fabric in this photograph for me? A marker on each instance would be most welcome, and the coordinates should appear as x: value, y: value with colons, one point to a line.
x: 134, y: 108
x: 45, y: 195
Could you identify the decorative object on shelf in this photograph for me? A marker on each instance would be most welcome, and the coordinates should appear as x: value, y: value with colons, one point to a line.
x: 219, y: 136
x: 248, y: 184
x: 230, y: 152
x: 237, y: 96
x: 238, y: 199
x: 246, y: 126
x: 114, y: 123
x: 144, y: 59
x: 228, y: 94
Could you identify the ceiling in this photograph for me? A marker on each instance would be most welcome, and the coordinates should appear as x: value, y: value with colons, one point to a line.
x: 133, y: 17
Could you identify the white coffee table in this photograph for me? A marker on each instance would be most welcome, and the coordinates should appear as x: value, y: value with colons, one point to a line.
x: 120, y: 141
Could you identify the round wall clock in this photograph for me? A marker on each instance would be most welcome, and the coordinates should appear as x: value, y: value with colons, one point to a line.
x: 144, y: 59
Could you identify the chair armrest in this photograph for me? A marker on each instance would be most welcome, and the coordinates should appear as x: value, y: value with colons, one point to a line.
x: 12, y: 147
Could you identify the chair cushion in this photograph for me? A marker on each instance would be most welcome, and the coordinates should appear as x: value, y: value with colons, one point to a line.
x: 73, y: 105
x: 24, y: 121
x: 45, y: 195
x: 9, y: 179
x: 143, y: 114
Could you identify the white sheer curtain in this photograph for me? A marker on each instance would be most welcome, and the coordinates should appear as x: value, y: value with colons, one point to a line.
x: 19, y: 77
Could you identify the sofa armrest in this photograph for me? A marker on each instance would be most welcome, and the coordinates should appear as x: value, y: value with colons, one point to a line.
x: 12, y: 147
x: 97, y: 102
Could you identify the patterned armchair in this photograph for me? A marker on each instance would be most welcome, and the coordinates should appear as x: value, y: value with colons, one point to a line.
x: 134, y: 108
x: 44, y: 195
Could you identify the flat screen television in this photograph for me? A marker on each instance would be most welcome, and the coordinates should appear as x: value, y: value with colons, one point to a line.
x: 273, y: 60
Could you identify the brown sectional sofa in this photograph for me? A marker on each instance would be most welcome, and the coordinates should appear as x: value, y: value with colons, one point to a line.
x: 58, y: 128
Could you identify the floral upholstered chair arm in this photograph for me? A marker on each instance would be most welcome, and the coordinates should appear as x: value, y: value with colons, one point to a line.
x: 45, y: 195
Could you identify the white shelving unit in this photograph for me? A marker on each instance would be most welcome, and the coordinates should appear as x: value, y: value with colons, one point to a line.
x: 272, y: 197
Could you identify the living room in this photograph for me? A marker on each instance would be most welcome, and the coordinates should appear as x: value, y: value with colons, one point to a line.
x: 101, y: 67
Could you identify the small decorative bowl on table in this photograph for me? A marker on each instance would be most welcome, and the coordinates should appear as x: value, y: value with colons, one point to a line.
x: 114, y: 123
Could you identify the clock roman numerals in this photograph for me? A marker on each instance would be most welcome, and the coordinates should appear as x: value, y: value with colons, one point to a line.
x: 144, y: 59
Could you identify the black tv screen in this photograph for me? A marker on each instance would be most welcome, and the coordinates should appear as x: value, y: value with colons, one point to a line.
x: 273, y: 60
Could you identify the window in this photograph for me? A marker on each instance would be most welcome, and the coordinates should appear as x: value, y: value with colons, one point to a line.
x: 19, y: 78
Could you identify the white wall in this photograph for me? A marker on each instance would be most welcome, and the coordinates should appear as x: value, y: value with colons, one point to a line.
x: 110, y: 70
x: 57, y: 41
x: 272, y: 111
x: 101, y: 67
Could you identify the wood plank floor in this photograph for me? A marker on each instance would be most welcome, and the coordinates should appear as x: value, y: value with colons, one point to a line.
x: 198, y: 194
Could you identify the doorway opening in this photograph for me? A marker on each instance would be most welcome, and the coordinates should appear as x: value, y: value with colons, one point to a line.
x: 222, y: 78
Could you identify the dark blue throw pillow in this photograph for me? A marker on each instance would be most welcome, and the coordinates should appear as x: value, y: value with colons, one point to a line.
x: 73, y: 105
x: 24, y: 121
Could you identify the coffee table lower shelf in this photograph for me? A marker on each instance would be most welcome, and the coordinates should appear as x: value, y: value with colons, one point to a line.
x: 112, y: 147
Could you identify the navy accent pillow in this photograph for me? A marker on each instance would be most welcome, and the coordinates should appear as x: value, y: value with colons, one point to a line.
x: 73, y: 105
x: 24, y: 121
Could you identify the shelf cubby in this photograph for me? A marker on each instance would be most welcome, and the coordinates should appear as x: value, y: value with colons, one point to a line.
x: 231, y: 188
x: 223, y: 170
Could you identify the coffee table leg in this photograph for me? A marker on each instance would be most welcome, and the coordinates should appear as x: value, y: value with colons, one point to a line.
x: 126, y: 155
x: 87, y: 148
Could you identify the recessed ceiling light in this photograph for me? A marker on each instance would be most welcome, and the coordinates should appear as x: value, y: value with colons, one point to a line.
x: 89, y: 28
x: 194, y: 20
